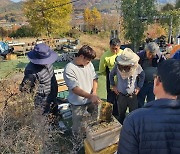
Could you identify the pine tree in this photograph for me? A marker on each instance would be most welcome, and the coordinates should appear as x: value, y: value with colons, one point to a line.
x: 133, y: 13
x: 177, y: 6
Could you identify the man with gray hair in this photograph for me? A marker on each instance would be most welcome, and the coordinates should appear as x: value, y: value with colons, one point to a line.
x: 150, y: 57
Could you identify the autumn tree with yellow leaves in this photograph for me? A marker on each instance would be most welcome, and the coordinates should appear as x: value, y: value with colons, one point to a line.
x: 92, y: 18
x: 49, y: 17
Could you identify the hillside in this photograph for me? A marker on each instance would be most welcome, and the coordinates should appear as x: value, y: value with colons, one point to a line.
x: 100, y: 4
x: 7, y: 6
x: 5, y: 3
x: 12, y: 11
x: 11, y: 7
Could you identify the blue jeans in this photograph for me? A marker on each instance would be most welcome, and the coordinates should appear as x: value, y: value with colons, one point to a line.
x: 146, y: 92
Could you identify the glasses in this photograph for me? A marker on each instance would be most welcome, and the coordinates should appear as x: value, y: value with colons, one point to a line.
x: 124, y: 68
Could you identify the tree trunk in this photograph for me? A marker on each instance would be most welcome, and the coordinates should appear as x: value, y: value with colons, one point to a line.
x: 135, y: 47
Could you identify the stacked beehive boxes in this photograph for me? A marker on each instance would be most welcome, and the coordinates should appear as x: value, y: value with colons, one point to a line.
x: 103, y: 134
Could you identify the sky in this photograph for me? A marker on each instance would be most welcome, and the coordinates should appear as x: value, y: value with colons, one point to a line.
x: 167, y: 1
x: 16, y: 0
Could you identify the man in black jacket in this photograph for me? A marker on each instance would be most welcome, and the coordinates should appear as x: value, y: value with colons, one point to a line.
x: 150, y: 57
x: 39, y: 71
x: 155, y: 128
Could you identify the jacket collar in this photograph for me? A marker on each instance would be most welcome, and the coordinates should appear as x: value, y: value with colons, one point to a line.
x: 163, y: 103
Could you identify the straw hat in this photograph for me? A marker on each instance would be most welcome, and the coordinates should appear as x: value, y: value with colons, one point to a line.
x: 128, y: 57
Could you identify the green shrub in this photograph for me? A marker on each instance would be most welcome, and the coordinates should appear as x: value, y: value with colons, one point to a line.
x: 74, y: 33
x: 104, y: 34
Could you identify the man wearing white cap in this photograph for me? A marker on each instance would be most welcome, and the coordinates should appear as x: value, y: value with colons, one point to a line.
x: 130, y: 79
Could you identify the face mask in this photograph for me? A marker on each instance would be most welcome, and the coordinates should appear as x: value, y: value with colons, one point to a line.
x: 127, y: 72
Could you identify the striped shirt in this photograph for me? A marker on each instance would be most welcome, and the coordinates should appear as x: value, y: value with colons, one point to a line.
x: 47, y: 84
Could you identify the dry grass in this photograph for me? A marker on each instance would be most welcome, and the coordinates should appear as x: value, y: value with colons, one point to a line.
x: 20, y: 129
x: 23, y: 128
x: 96, y: 42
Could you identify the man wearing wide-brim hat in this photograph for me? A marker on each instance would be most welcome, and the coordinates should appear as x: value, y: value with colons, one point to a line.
x: 130, y: 79
x: 39, y: 71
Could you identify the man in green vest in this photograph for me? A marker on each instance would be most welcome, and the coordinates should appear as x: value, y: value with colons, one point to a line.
x: 106, y: 64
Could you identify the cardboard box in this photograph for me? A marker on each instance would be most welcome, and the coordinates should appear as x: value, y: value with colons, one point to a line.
x: 102, y: 135
x: 109, y: 150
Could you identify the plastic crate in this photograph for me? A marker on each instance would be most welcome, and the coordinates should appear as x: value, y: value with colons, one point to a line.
x: 63, y: 94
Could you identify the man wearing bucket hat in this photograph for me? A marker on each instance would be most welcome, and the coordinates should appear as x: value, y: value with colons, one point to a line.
x: 39, y: 71
x: 130, y: 79
x: 150, y: 57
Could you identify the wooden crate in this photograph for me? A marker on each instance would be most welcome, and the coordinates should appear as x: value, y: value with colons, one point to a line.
x: 103, y: 135
x: 62, y: 86
x: 109, y: 150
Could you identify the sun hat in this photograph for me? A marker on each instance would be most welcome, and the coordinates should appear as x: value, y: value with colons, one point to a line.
x: 152, y: 47
x: 42, y: 55
x: 128, y: 57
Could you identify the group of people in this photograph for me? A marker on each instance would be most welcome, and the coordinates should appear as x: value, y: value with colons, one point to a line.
x: 143, y: 77
x: 131, y: 80
x: 129, y: 76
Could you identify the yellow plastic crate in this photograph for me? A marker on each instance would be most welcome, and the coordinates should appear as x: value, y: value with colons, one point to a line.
x: 109, y: 150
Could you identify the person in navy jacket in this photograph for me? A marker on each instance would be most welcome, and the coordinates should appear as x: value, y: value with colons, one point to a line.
x: 155, y: 128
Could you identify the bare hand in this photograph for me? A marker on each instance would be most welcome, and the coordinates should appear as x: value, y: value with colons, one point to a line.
x: 114, y: 88
x: 137, y: 90
x: 95, y: 99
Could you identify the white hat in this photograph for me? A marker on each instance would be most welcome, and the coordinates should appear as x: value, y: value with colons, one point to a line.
x: 128, y: 57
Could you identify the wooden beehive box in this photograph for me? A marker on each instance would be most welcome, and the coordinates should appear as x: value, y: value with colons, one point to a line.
x: 102, y: 135
x: 11, y: 57
x: 109, y: 150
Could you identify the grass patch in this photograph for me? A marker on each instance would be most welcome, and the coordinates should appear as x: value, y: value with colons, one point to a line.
x: 9, y: 68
